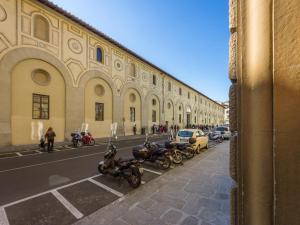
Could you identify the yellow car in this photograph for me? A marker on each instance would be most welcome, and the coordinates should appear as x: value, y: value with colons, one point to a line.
x: 184, y: 135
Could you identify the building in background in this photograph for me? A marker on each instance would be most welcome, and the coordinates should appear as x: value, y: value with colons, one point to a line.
x: 58, y: 71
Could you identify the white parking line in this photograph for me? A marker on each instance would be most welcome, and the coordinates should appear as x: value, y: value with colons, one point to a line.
x: 152, y: 171
x: 3, y: 217
x: 68, y: 205
x: 60, y: 160
x: 119, y: 194
x: 37, y: 151
x: 46, y: 192
x: 19, y: 154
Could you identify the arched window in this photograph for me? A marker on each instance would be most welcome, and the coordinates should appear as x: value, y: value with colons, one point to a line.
x: 99, y: 55
x: 153, y: 102
x: 132, y: 70
x: 41, y: 28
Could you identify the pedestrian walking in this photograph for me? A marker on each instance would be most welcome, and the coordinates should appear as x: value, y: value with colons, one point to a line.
x: 50, y: 135
x: 134, y: 129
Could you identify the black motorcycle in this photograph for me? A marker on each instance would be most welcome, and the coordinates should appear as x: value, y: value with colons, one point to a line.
x: 153, y: 152
x: 187, y: 149
x: 130, y: 169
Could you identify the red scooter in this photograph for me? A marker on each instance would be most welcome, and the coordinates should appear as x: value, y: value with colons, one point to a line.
x: 87, y: 138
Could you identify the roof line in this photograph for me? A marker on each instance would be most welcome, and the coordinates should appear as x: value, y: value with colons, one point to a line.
x: 106, y: 37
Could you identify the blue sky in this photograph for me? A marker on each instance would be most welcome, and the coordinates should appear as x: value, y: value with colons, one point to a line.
x: 188, y: 39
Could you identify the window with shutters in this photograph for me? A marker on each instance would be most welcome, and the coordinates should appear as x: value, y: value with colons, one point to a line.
x: 40, y: 107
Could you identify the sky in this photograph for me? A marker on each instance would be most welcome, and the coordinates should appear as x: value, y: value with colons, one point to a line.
x: 186, y: 38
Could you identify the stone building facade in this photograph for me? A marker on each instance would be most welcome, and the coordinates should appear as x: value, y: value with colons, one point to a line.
x: 264, y: 111
x: 56, y: 70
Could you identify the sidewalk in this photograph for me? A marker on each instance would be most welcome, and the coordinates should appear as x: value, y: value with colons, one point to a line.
x: 20, y: 148
x: 197, y: 193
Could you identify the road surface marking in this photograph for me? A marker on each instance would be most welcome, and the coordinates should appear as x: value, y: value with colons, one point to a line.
x: 37, y: 151
x: 46, y: 192
x: 119, y: 194
x: 19, y: 154
x: 68, y: 205
x: 152, y: 171
x: 3, y: 217
x: 60, y: 160
x: 52, y: 162
x: 143, y: 182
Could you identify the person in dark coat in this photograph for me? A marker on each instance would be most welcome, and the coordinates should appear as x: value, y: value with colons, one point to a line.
x: 50, y: 135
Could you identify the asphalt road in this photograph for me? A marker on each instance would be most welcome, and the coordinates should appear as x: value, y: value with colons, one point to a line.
x: 63, y: 186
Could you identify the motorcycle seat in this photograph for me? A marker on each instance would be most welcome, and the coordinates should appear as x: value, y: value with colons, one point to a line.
x: 169, y: 145
x: 126, y: 159
x: 160, y: 145
x: 182, y: 145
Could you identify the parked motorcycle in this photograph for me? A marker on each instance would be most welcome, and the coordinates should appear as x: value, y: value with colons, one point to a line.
x: 130, y: 169
x: 154, y: 153
x: 187, y: 149
x: 87, y: 138
x: 76, y: 139
x: 181, y: 149
x: 175, y: 153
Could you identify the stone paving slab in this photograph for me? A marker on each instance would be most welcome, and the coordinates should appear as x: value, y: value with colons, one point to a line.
x: 196, y: 193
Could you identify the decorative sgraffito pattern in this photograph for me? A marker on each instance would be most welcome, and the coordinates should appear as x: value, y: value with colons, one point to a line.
x: 233, y: 157
x: 3, y: 14
x: 232, y: 56
x: 233, y: 107
x: 75, y: 46
x: 233, y: 117
x: 232, y: 15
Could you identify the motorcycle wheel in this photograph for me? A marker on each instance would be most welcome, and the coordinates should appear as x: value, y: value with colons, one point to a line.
x: 177, y: 157
x: 79, y: 144
x: 190, y: 153
x: 165, y: 162
x: 135, y: 178
x: 92, y: 143
x: 101, y: 170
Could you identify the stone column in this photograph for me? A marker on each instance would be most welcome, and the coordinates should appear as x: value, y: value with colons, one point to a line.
x: 251, y: 110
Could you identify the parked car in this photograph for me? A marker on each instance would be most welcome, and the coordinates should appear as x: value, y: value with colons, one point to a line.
x: 224, y: 131
x: 184, y: 135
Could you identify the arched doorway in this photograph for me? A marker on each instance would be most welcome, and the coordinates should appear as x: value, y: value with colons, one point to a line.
x: 98, y: 107
x: 180, y: 121
x: 188, y: 116
x: 38, y: 101
x: 154, y: 111
x: 195, y: 116
x: 169, y: 113
x: 132, y: 115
